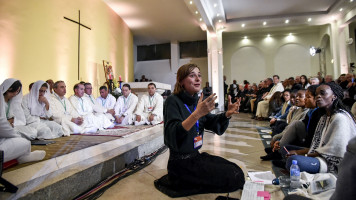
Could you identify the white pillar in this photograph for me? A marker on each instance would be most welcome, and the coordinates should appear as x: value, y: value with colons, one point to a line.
x: 215, y: 66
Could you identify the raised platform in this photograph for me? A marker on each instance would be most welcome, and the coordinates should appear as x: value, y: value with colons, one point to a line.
x: 79, y: 163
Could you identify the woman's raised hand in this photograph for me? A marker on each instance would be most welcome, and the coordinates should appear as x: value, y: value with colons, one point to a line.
x: 233, y: 108
x: 204, y: 107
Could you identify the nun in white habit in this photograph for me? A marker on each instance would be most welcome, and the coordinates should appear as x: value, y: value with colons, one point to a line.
x: 12, y: 93
x: 13, y: 145
x: 38, y: 112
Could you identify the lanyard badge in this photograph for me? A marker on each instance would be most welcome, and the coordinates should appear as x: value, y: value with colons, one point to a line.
x: 198, y: 141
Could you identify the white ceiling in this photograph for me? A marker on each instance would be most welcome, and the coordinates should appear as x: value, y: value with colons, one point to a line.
x: 161, y: 21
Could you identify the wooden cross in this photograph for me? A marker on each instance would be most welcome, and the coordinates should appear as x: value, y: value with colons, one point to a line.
x: 79, y: 24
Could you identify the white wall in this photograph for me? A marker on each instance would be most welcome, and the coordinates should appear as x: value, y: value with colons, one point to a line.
x: 160, y: 70
x: 258, y: 57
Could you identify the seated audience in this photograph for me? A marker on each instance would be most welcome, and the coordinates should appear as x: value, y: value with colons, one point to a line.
x: 38, y: 112
x: 278, y: 121
x: 335, y: 129
x: 11, y: 143
x: 275, y: 103
x: 304, y: 82
x: 125, y: 106
x: 107, y: 101
x: 85, y: 109
x: 328, y: 79
x: 314, y: 81
x: 263, y: 106
x: 64, y: 113
x: 150, y: 108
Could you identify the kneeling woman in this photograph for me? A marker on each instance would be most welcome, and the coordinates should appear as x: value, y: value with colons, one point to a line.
x: 185, y: 118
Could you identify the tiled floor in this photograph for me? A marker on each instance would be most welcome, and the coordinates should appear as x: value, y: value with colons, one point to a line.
x: 240, y: 144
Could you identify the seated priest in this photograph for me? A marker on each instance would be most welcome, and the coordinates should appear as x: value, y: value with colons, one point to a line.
x: 12, y: 93
x: 150, y: 108
x: 98, y: 108
x: 107, y: 101
x: 11, y: 143
x: 38, y: 112
x: 125, y: 106
x: 64, y: 113
x: 85, y: 109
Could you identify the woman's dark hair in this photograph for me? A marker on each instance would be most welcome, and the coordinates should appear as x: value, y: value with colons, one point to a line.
x: 14, y: 87
x: 306, y: 80
x: 337, y: 103
x: 45, y: 85
x: 312, y: 89
x: 286, y: 90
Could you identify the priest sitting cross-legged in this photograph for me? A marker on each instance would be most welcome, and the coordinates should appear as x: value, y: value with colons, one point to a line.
x: 125, y: 106
x: 97, y: 107
x: 38, y: 112
x: 85, y: 109
x: 107, y: 101
x: 64, y: 113
x: 150, y: 108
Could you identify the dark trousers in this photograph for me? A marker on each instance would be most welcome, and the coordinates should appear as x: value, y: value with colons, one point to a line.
x: 213, y: 173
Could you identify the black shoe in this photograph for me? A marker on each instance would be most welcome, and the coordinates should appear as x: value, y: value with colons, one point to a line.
x: 268, y: 150
x: 253, y: 117
x: 272, y: 156
x: 279, y: 163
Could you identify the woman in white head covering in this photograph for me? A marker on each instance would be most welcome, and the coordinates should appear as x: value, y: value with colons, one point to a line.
x: 11, y: 143
x: 12, y: 93
x: 38, y: 112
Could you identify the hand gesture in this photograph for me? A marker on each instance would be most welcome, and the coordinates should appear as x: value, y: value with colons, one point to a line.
x: 276, y: 146
x: 204, y: 107
x: 233, y: 108
x: 291, y: 153
x: 111, y: 111
x: 43, y: 99
x: 150, y: 119
x: 138, y: 118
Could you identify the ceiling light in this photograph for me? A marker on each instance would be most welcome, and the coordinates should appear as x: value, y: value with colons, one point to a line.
x: 309, y: 19
x: 215, y: 5
x: 242, y: 25
x: 287, y: 21
x: 190, y: 2
x: 314, y: 50
x: 220, y: 20
x: 268, y: 35
x: 340, y: 9
x: 245, y: 37
x: 200, y: 19
x: 218, y: 15
x: 290, y: 34
x: 264, y: 23
x: 196, y: 12
x: 351, y: 0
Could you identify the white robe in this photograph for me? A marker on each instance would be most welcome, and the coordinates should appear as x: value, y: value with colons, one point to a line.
x: 108, y: 103
x: 126, y: 107
x: 11, y: 143
x: 63, y: 112
x: 34, y: 110
x: 98, y: 109
x: 85, y: 109
x: 150, y: 105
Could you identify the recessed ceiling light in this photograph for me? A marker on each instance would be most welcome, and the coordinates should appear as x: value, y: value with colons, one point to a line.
x: 351, y: 0
x: 190, y: 2
x: 268, y: 35
x: 341, y: 9
x: 242, y: 25
x: 245, y: 37
x: 287, y: 21
x: 215, y: 5
x: 219, y: 20
x: 218, y: 15
x: 200, y: 19
x: 290, y: 34
x: 264, y: 23
x: 309, y: 19
x: 196, y: 12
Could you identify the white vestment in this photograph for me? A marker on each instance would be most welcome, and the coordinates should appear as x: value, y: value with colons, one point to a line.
x: 37, y: 116
x: 108, y: 103
x: 98, y: 108
x: 85, y: 109
x: 63, y: 112
x: 10, y: 142
x: 13, y: 109
x: 126, y: 107
x: 150, y: 105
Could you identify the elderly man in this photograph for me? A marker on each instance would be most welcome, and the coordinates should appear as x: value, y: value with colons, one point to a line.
x: 85, y: 109
x: 97, y: 107
x: 314, y: 81
x: 263, y: 106
x: 150, y: 108
x: 64, y: 113
x: 125, y: 106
